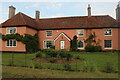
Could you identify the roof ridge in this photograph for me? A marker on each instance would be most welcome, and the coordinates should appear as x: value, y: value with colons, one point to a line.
x: 22, y: 17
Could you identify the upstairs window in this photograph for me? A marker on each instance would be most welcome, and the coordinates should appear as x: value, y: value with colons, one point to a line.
x: 48, y: 44
x: 80, y: 33
x: 108, y: 44
x: 80, y: 44
x: 107, y: 32
x: 11, y: 30
x: 11, y: 43
x: 48, y: 33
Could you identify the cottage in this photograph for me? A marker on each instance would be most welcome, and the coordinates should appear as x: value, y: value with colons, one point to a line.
x: 60, y: 31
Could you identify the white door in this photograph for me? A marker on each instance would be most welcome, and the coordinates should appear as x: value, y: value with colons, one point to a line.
x: 62, y: 44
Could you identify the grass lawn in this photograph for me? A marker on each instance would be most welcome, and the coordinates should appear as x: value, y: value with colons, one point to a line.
x: 97, y: 59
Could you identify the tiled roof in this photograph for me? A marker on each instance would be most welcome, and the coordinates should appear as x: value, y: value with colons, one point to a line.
x: 63, y: 22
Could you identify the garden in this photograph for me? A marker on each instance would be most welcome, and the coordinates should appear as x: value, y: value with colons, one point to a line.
x: 62, y: 60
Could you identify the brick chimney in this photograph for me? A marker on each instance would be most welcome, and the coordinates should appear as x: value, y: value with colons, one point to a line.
x: 89, y: 10
x: 37, y: 15
x: 11, y: 11
x: 118, y: 12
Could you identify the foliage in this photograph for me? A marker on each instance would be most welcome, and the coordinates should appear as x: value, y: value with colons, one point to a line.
x: 52, y: 59
x: 37, y: 65
x: 38, y: 54
x: 79, y: 58
x: 67, y: 67
x: 31, y: 42
x: 92, y: 48
x: 109, y: 68
x: 90, y: 39
x: 68, y: 56
x: 1, y: 36
x: 73, y: 45
x: 51, y: 52
x: 52, y: 47
x: 16, y: 36
x: 62, y: 53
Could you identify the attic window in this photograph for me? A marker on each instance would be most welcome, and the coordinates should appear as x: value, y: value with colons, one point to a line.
x: 107, y: 32
x: 10, y: 30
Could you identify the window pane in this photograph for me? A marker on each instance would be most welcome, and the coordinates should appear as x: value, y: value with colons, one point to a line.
x: 14, y: 42
x: 7, y: 44
x: 108, y: 43
x: 108, y: 32
x: 48, y: 44
x: 49, y: 33
x: 80, y: 44
x: 10, y: 41
x: 80, y: 32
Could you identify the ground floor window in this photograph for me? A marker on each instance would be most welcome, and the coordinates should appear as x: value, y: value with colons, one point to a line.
x: 11, y: 43
x: 48, y: 43
x: 108, y: 43
x: 80, y: 44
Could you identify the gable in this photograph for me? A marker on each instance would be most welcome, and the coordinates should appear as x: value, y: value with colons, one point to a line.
x: 63, y: 35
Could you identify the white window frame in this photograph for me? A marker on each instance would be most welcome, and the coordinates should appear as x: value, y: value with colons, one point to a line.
x: 8, y: 32
x: 106, y: 47
x: 12, y: 43
x: 44, y: 43
x: 110, y: 34
x: 83, y: 44
x: 51, y: 35
x: 81, y: 35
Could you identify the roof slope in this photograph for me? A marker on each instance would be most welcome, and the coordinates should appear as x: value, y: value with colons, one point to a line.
x: 62, y: 23
x: 21, y: 19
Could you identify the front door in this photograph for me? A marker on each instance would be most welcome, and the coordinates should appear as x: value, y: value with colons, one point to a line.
x: 62, y: 44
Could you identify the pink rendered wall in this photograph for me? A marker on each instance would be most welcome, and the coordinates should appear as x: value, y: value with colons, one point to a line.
x: 71, y: 32
x: 20, y: 46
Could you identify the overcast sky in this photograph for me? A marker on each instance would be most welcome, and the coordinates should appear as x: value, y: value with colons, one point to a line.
x: 59, y: 9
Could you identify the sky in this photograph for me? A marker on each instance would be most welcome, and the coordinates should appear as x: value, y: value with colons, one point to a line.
x: 58, y: 9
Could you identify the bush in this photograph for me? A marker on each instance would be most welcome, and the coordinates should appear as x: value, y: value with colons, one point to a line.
x: 67, y: 67
x: 92, y: 48
x: 52, y: 60
x: 89, y: 48
x: 38, y: 54
x: 62, y: 53
x: 68, y: 56
x: 108, y: 68
x: 51, y: 52
x: 98, y: 48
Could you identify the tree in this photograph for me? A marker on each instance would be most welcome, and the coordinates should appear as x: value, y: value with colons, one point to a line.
x: 73, y: 46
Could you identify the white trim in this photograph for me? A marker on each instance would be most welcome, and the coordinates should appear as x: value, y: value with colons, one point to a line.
x: 9, y: 31
x: 83, y: 45
x: 63, y: 35
x: 12, y: 43
x: 46, y: 33
x: 44, y: 44
x: 107, y: 35
x: 111, y: 45
x: 79, y: 30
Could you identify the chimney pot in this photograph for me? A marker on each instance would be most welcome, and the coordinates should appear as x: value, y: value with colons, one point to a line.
x: 11, y: 11
x: 89, y: 10
x: 37, y: 14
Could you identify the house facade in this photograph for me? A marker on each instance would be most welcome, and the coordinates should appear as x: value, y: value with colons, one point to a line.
x: 59, y: 32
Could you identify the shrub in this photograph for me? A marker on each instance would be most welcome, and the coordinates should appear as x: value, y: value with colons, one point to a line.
x: 67, y: 67
x: 38, y: 54
x: 51, y: 52
x: 98, y: 48
x: 92, y: 48
x: 68, y: 56
x: 108, y: 68
x: 52, y: 60
x: 73, y: 44
x: 62, y: 53
x: 52, y: 47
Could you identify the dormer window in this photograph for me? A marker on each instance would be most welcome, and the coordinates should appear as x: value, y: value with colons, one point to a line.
x: 10, y: 30
x: 48, y: 33
x: 80, y: 33
x: 107, y: 32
